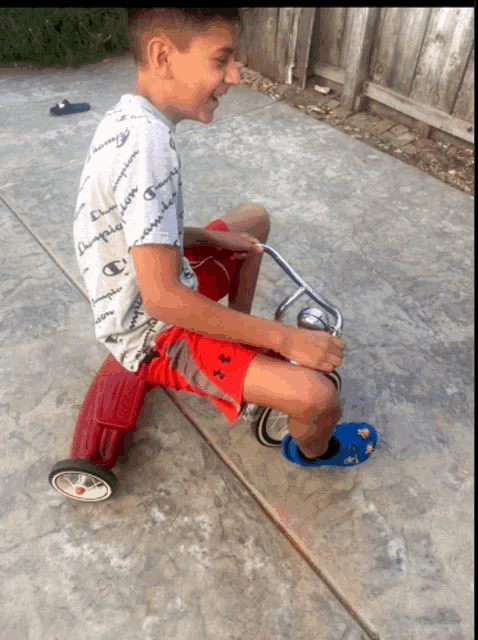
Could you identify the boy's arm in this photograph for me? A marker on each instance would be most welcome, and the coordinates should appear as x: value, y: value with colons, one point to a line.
x: 196, y: 237
x: 166, y: 298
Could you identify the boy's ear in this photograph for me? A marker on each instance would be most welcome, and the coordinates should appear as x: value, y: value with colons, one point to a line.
x: 158, y: 49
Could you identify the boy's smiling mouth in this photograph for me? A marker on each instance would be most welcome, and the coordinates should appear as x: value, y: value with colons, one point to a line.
x: 213, y: 99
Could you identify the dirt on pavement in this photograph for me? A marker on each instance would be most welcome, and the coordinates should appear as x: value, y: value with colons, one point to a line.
x: 452, y: 163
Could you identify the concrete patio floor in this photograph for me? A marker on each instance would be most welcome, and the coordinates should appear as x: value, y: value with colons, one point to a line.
x: 210, y: 535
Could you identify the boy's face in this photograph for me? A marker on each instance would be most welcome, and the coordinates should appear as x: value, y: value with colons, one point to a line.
x: 182, y: 85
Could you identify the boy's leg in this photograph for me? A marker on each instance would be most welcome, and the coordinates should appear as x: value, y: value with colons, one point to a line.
x: 314, y: 428
x: 249, y: 218
x: 308, y: 397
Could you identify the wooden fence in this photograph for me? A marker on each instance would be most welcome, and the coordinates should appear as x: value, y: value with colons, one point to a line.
x: 416, y: 61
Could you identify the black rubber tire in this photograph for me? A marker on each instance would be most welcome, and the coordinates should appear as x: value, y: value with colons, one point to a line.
x: 336, y: 379
x: 259, y: 429
x: 100, y: 473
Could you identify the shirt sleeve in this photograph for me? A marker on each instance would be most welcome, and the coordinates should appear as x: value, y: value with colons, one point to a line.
x: 147, y: 191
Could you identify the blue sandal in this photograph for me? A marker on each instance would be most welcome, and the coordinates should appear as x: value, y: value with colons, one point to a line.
x: 352, y: 443
x: 64, y: 108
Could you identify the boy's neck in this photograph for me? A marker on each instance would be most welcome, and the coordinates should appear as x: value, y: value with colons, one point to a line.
x: 145, y: 94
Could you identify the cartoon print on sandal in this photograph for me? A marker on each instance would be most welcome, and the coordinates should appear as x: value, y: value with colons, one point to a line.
x: 365, y: 433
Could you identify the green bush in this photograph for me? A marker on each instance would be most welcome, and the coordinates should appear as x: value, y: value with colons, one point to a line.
x: 66, y: 37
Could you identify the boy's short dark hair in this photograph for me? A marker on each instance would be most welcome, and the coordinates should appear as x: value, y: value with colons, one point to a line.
x: 179, y: 25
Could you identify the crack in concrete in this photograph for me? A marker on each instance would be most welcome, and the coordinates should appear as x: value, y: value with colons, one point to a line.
x: 62, y: 268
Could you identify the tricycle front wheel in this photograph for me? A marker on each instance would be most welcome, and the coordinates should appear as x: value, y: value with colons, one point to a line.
x: 270, y: 427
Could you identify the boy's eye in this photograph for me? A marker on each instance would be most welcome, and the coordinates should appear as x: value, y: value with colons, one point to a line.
x: 223, y: 61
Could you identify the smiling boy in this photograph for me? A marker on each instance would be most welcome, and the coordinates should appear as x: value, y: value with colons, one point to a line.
x: 154, y: 284
x: 186, y: 84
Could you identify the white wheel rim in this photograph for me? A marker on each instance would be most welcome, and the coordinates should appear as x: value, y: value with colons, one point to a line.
x: 277, y: 425
x: 81, y: 486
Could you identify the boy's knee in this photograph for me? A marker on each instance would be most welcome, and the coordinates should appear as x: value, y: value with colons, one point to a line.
x: 265, y: 215
x: 259, y: 211
x: 266, y: 218
x: 265, y: 222
x: 324, y: 397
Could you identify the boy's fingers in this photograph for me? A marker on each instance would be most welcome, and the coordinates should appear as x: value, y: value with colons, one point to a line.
x: 338, y: 352
x: 254, y: 240
x: 339, y: 344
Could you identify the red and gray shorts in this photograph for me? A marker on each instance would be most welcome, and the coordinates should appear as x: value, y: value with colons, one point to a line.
x: 192, y: 362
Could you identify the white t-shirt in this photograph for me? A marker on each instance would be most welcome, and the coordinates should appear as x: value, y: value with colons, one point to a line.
x: 129, y: 195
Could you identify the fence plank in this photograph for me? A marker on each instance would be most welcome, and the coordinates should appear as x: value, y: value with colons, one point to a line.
x: 261, y: 56
x: 331, y: 32
x: 286, y: 41
x: 443, y: 57
x: 348, y: 29
x: 364, y: 22
x: 249, y: 20
x: 422, y: 112
x: 465, y: 104
x: 384, y: 50
x: 401, y: 33
x: 284, y: 27
x: 304, y: 39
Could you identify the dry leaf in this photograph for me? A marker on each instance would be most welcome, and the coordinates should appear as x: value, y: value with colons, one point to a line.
x: 324, y: 90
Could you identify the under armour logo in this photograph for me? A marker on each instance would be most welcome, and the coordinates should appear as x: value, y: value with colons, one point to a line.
x: 223, y: 358
x: 218, y: 374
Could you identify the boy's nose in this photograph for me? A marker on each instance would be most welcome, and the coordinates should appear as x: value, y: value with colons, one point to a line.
x: 233, y: 75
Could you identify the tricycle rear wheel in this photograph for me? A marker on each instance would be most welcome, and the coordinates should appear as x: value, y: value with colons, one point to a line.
x: 83, y: 480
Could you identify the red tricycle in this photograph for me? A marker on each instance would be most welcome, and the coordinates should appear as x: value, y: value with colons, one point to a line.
x: 115, y: 397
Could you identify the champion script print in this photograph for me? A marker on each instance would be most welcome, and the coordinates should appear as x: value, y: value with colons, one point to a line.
x: 129, y: 194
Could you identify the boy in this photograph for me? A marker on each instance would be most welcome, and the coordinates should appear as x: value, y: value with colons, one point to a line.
x: 154, y: 284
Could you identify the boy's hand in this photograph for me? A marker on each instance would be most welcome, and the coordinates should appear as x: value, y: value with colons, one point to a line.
x: 242, y: 244
x: 314, y: 349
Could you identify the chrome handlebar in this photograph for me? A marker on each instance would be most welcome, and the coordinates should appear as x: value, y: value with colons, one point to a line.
x: 303, y: 288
